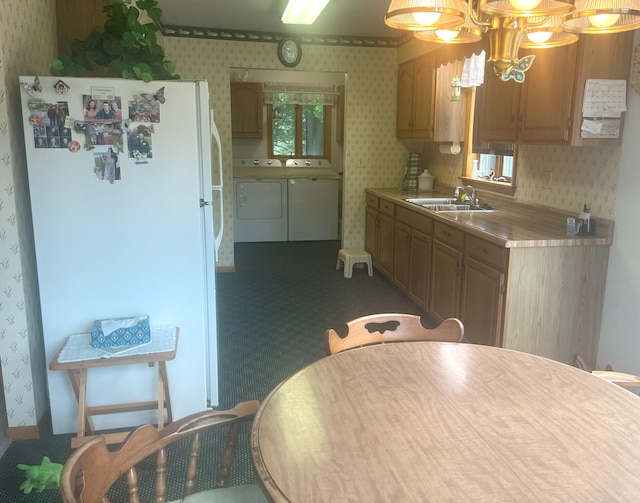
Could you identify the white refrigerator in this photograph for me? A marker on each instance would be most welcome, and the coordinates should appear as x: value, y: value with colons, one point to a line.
x: 120, y: 182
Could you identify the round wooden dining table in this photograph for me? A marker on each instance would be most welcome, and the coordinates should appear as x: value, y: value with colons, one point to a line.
x: 438, y: 421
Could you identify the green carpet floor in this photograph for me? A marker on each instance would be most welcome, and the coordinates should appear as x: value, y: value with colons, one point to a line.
x: 272, y: 314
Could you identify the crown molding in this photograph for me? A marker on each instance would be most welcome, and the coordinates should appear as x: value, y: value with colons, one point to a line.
x: 271, y: 37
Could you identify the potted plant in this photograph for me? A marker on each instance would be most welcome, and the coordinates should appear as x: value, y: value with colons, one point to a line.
x: 125, y: 47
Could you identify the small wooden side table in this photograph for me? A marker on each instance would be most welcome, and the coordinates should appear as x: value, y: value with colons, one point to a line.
x: 77, y: 355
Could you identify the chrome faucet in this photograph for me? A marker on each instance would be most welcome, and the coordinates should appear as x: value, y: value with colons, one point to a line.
x: 469, y: 191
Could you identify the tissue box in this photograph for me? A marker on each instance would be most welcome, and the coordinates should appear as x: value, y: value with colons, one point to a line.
x: 120, y: 332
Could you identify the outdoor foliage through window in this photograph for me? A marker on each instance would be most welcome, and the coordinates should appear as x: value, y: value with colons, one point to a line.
x: 298, y: 130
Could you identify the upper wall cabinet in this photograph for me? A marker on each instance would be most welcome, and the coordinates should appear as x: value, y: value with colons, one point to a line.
x: 599, y: 57
x: 547, y: 107
x: 246, y: 109
x: 76, y: 19
x: 536, y: 111
x: 415, y: 119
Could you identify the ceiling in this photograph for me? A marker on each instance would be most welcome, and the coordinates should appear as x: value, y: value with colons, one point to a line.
x: 340, y: 18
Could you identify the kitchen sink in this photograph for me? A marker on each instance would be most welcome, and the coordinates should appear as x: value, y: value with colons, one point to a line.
x: 430, y: 201
x: 441, y: 208
x: 442, y: 204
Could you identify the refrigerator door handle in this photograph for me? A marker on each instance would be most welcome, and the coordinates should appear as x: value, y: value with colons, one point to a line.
x: 217, y: 188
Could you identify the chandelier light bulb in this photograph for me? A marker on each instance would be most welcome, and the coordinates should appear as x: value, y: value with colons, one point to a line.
x: 524, y: 5
x: 539, y: 37
x: 447, y: 35
x: 426, y: 18
x: 604, y: 20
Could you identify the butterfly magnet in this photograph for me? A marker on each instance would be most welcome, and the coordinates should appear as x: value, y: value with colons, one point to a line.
x: 154, y: 99
x: 34, y: 88
x: 516, y: 71
x: 146, y: 106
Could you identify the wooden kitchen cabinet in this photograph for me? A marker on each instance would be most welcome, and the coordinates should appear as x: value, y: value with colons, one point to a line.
x: 415, y: 115
x: 547, y: 107
x: 483, y: 291
x: 601, y: 57
x: 446, y: 272
x: 544, y: 298
x: 379, y: 233
x: 246, y: 109
x: 402, y: 256
x: 76, y: 19
x: 536, y: 111
x: 412, y: 255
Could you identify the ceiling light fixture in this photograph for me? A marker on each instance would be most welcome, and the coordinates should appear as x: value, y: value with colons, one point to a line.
x: 303, y: 11
x: 511, y: 24
x: 603, y: 16
x: 425, y: 14
x: 466, y: 33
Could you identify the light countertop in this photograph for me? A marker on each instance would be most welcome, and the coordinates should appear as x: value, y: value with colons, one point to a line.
x: 511, y: 225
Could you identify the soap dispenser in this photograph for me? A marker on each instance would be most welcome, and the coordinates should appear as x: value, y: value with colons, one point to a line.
x: 585, y: 219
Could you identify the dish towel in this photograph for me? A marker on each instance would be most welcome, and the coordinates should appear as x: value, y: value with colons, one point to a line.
x: 411, y: 171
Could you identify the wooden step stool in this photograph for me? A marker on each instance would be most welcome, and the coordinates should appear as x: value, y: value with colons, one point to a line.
x: 352, y: 256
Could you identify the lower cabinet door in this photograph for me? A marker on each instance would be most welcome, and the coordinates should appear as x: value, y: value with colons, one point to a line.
x: 482, y: 303
x: 446, y: 269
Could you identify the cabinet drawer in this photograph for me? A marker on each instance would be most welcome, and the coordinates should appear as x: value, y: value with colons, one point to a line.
x: 387, y: 207
x: 484, y: 251
x: 453, y: 237
x: 414, y: 220
x: 372, y: 201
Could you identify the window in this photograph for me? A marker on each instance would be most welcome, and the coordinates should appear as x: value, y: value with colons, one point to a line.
x: 495, y: 161
x: 299, y: 131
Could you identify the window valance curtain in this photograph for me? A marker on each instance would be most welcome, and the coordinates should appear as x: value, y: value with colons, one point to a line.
x: 285, y: 93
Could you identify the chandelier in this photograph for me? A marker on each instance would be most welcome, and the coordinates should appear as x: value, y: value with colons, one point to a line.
x: 511, y: 24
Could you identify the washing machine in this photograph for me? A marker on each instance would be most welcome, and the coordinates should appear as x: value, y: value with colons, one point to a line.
x: 313, y: 200
x: 260, y: 208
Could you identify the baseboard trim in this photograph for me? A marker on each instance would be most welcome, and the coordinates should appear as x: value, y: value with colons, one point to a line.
x: 23, y: 432
x: 226, y: 268
x: 26, y: 432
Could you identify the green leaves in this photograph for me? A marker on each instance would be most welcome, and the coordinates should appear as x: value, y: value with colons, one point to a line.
x: 124, y: 46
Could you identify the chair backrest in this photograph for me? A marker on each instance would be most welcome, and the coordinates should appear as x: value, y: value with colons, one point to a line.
x: 390, y: 327
x: 619, y: 378
x: 92, y: 469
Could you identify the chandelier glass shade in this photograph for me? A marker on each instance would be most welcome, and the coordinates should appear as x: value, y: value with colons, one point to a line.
x: 603, y: 16
x: 525, y: 8
x: 466, y: 33
x: 425, y: 14
x: 546, y: 33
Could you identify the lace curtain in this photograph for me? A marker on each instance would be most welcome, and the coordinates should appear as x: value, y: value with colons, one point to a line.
x: 281, y: 93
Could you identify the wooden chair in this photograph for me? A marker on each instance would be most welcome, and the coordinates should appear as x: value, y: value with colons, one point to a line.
x: 92, y: 469
x: 619, y: 378
x: 390, y: 327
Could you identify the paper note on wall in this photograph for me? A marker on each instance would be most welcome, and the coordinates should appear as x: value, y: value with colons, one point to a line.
x: 601, y: 128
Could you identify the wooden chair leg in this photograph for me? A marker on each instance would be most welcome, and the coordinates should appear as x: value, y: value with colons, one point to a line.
x: 224, y: 471
x: 192, y: 467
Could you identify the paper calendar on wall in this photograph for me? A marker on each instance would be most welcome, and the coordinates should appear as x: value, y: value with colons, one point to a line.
x: 602, y: 107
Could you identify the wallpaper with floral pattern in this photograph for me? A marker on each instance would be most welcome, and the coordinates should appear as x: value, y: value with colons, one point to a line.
x: 28, y: 40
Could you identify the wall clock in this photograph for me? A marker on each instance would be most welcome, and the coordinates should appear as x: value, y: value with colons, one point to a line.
x: 289, y: 51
